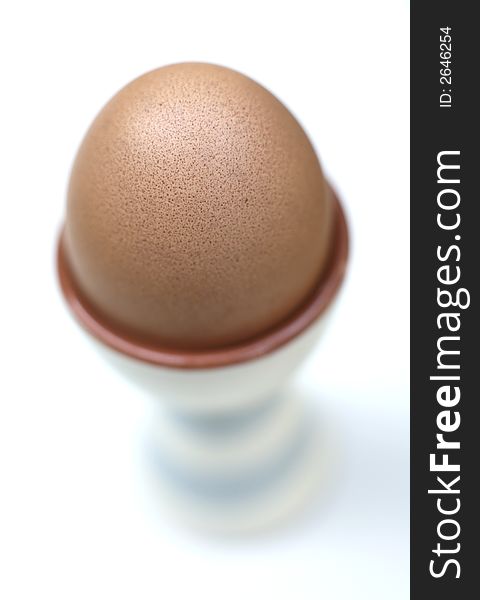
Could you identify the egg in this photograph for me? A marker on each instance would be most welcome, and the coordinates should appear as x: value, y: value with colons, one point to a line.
x: 198, y: 215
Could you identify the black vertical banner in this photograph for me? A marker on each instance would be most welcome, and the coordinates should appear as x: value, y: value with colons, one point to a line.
x: 445, y: 269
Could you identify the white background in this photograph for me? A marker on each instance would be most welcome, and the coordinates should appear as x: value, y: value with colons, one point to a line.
x: 76, y: 520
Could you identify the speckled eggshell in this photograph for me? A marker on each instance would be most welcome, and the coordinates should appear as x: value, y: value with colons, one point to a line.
x: 198, y: 215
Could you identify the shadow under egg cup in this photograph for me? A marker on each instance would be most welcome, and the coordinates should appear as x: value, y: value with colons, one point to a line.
x: 230, y: 451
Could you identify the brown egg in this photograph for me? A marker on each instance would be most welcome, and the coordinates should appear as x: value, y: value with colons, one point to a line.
x: 198, y: 214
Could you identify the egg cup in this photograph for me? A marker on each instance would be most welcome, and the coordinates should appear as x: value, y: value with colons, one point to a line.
x: 230, y: 451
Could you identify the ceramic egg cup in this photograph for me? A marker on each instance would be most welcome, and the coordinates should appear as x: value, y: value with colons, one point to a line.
x: 228, y: 449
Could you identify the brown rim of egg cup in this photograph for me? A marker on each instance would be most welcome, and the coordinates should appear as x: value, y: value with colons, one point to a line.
x: 267, y: 342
